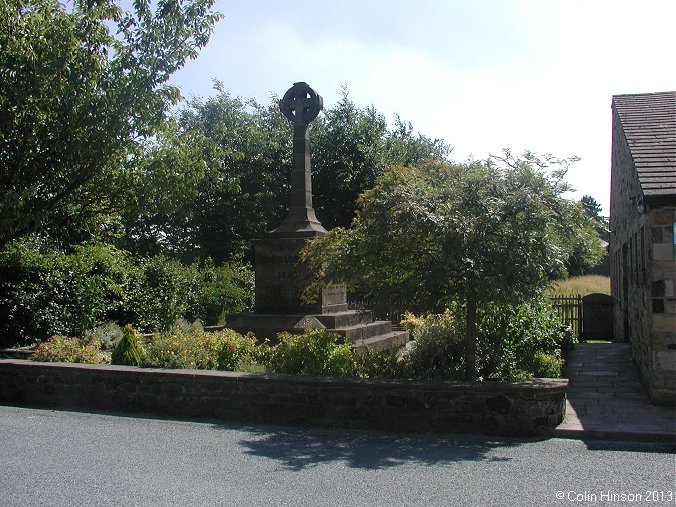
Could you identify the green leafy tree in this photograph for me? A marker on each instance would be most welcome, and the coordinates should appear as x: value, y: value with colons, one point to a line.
x: 251, y: 196
x: 594, y: 211
x: 75, y: 94
x: 215, y: 180
x: 591, y: 207
x: 161, y: 190
x: 351, y: 147
x: 438, y: 233
x: 238, y: 188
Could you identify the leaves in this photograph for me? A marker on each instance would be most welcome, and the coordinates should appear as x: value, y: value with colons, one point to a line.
x: 219, y: 176
x: 44, y: 291
x: 430, y: 234
x: 74, y: 98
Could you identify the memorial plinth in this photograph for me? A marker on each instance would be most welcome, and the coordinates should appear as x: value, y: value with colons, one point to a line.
x: 281, y: 277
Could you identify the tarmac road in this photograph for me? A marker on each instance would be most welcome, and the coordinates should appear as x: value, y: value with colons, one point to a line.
x: 65, y: 458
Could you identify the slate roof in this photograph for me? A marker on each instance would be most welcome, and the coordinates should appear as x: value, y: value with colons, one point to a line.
x: 649, y: 124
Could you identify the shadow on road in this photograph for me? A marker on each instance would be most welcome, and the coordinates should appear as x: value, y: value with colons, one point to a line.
x: 299, y: 448
x: 630, y: 446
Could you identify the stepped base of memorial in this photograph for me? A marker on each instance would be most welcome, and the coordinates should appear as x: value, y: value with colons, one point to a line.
x: 357, y: 327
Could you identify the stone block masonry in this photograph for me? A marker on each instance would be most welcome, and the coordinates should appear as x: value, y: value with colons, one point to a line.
x: 523, y: 409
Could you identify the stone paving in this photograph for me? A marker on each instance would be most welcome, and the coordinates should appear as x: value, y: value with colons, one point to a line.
x: 607, y: 400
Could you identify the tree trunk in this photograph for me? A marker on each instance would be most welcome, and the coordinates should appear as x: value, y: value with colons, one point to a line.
x: 470, y: 337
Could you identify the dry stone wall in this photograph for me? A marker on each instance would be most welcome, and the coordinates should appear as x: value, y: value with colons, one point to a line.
x: 526, y: 408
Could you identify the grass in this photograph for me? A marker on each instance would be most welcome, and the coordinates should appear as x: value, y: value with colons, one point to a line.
x: 583, y: 285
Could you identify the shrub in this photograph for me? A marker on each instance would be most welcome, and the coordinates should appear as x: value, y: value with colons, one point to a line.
x: 251, y: 365
x: 438, y: 351
x: 183, y: 326
x: 157, y: 294
x: 236, y: 352
x: 45, y: 291
x: 315, y: 352
x: 385, y: 364
x: 68, y: 350
x: 412, y: 322
x: 514, y: 343
x: 546, y: 365
x: 511, y: 337
x: 221, y: 290
x: 129, y: 350
x: 107, y: 334
x: 199, y: 349
x: 193, y: 350
x: 164, y: 290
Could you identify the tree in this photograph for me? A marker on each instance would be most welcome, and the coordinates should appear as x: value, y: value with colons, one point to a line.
x: 351, y: 147
x: 593, y: 210
x: 591, y: 207
x: 438, y: 233
x: 75, y: 96
x: 245, y: 195
x: 164, y: 184
x: 584, y: 237
x: 239, y: 190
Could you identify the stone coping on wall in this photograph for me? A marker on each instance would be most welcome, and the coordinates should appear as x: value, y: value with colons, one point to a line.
x: 524, y: 408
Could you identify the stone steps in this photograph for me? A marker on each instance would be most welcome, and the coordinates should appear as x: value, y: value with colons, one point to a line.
x: 358, y: 329
x: 381, y: 342
x: 355, y: 326
x: 364, y: 331
x: 344, y: 319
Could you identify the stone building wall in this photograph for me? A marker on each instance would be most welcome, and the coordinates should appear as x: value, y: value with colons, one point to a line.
x: 643, y: 274
x: 662, y: 301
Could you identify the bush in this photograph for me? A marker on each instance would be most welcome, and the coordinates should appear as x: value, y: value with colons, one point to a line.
x: 514, y: 339
x: 68, y: 350
x: 45, y: 291
x: 385, y: 364
x: 514, y: 343
x: 199, y: 349
x: 165, y: 290
x: 129, y: 350
x: 107, y: 334
x: 221, y: 290
x: 158, y: 294
x: 546, y: 365
x: 194, y: 350
x: 315, y: 352
x: 236, y: 352
x: 438, y: 349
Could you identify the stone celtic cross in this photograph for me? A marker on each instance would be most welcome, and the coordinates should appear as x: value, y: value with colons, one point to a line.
x: 300, y: 105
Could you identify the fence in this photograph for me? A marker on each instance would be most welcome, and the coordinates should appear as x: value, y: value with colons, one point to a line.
x: 393, y: 312
x: 569, y: 309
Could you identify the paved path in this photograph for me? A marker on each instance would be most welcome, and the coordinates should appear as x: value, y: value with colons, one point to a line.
x: 607, y: 400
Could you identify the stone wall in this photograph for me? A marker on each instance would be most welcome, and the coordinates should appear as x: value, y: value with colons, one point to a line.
x: 525, y: 408
x: 659, y: 369
x: 643, y: 274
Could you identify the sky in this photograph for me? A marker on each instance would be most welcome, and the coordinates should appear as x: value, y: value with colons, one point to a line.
x: 482, y: 75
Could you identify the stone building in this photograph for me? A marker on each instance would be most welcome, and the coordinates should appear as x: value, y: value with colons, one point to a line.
x: 642, y: 246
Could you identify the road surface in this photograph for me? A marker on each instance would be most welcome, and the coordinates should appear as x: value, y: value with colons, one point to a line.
x: 66, y: 458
